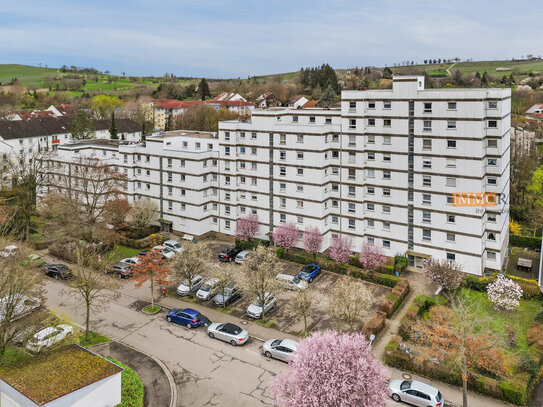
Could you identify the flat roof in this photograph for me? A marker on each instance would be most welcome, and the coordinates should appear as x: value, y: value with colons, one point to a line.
x: 185, y: 133
x: 46, y: 377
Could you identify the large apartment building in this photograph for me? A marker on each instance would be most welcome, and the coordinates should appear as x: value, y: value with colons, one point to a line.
x: 382, y: 170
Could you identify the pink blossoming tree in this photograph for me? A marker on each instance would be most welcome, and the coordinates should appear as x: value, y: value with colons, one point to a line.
x: 312, y: 241
x: 504, y: 293
x: 246, y: 228
x: 340, y: 249
x: 332, y: 369
x: 286, y: 236
x: 371, y: 257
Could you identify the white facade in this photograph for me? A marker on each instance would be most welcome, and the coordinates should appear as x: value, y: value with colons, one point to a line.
x: 382, y: 170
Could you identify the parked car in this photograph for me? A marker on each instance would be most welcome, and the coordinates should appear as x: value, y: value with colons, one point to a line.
x: 282, y: 349
x: 230, y: 333
x: 188, y: 317
x: 184, y: 288
x: 165, y: 251
x: 207, y: 290
x: 254, y: 310
x: 292, y: 282
x: 309, y: 272
x: 24, y: 306
x: 8, y: 251
x: 240, y: 258
x: 229, y: 254
x: 415, y: 393
x: 143, y: 253
x: 174, y: 245
x: 33, y: 260
x: 58, y: 271
x: 130, y: 260
x: 231, y: 294
x: 121, y: 270
x: 48, y: 337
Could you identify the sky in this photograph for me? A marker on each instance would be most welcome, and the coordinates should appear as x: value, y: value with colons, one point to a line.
x: 230, y: 39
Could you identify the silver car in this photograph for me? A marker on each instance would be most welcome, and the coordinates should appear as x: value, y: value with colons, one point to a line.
x: 230, y: 333
x: 184, y: 288
x: 255, y: 309
x: 292, y: 282
x: 415, y: 393
x: 282, y: 349
x: 208, y: 290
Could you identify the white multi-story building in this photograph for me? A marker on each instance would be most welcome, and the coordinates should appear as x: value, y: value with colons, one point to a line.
x: 384, y: 170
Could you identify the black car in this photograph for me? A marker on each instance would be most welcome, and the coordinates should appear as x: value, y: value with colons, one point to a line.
x: 121, y: 270
x: 230, y: 253
x: 58, y: 271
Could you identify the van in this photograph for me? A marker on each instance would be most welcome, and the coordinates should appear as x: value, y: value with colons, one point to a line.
x: 292, y: 282
x: 240, y: 258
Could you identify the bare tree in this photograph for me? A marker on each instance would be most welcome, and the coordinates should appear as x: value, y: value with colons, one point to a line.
x: 349, y: 301
x: 301, y: 305
x: 225, y: 276
x: 194, y: 261
x: 445, y: 273
x: 258, y: 274
x: 143, y: 213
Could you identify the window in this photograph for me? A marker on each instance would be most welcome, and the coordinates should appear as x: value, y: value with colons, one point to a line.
x: 386, y: 140
x: 492, y: 124
x: 371, y: 122
x: 299, y: 219
x: 283, y: 171
x: 335, y: 138
x: 492, y: 181
x: 253, y: 136
x: 386, y: 209
x: 352, y: 123
x: 451, y: 182
x: 426, y: 234
x: 170, y: 177
x: 311, y: 119
x: 300, y: 138
x: 335, y: 203
x: 371, y: 241
x: 450, y: 200
x: 492, y: 143
x: 491, y: 218
x: 371, y: 139
x: 451, y: 218
x: 282, y: 187
x: 491, y: 255
x: 451, y: 143
x: 352, y: 106
x: 370, y: 173
x: 352, y: 224
x: 426, y: 163
x: 492, y: 105
x: 451, y: 237
x: 371, y: 156
x: 451, y: 256
x: 451, y: 125
x: 386, y: 157
x: 283, y: 202
x: 300, y: 171
x: 426, y: 199
x: 334, y: 219
x: 352, y: 173
x: 387, y: 104
x: 253, y: 181
x: 427, y: 107
x: 386, y: 174
x: 386, y: 225
x: 227, y: 151
x: 370, y: 223
x: 300, y: 155
x: 283, y: 139
x: 427, y: 125
x: 371, y: 104
x: 294, y: 119
x: 386, y: 243
x: 426, y: 217
x: 387, y: 122
x: 491, y: 236
x: 386, y: 192
x: 352, y: 207
x: 282, y: 218
x: 352, y: 141
x: 335, y: 187
x: 451, y: 162
x: 170, y: 205
x: 370, y: 207
x: 426, y: 144
x: 451, y: 106
x: 227, y: 224
x: 371, y: 190
x: 335, y: 170
x: 299, y: 204
x: 352, y: 190
x: 426, y: 181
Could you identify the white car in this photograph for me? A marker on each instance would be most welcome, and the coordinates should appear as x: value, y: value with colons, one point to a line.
x: 184, y: 288
x: 292, y: 282
x: 23, y: 306
x: 9, y: 251
x: 254, y: 310
x: 208, y: 290
x: 282, y: 349
x: 240, y: 258
x: 130, y: 260
x: 174, y: 245
x: 165, y: 251
x: 48, y: 337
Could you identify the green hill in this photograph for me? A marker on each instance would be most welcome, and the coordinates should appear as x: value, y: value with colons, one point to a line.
x: 27, y: 75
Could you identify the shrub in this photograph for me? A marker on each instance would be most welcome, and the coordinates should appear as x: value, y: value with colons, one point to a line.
x: 131, y: 387
x: 514, y: 390
x: 529, y: 364
x: 533, y: 242
x: 477, y: 283
x: 539, y: 317
x: 504, y: 293
x: 375, y: 324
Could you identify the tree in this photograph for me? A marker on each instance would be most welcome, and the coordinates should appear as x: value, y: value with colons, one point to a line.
x: 18, y: 284
x: 203, y: 89
x: 371, y: 257
x: 458, y: 334
x: 92, y: 287
x: 445, y: 273
x: 332, y: 369
x: 82, y: 126
x: 115, y: 212
x: 286, y: 236
x: 194, y: 261
x: 329, y: 97
x: 312, y: 240
x: 151, y: 267
x: 224, y: 276
x: 258, y: 274
x: 302, y: 305
x: 143, y: 214
x: 504, y: 293
x: 340, y: 249
x: 113, y: 128
x: 515, y: 228
x: 104, y: 106
x: 246, y: 228
x: 349, y: 301
x: 203, y: 118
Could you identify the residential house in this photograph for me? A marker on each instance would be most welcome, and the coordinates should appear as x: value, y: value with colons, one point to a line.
x: 229, y: 96
x: 267, y: 100
x: 297, y: 101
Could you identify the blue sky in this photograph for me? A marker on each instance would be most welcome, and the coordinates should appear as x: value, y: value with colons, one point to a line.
x: 250, y: 37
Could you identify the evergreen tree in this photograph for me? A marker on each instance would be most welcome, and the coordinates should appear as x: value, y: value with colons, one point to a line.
x: 511, y: 79
x: 203, y: 89
x: 387, y: 73
x: 477, y: 75
x: 113, y: 128
x: 484, y: 79
x: 82, y: 126
x: 329, y: 96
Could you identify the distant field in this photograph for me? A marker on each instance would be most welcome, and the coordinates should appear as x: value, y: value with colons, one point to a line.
x: 28, y: 75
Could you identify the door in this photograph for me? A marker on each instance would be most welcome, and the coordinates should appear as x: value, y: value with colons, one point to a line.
x: 411, y: 396
x: 181, y: 318
x: 282, y: 353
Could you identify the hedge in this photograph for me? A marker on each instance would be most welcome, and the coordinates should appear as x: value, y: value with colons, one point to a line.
x: 530, y: 289
x: 533, y: 242
x: 252, y: 244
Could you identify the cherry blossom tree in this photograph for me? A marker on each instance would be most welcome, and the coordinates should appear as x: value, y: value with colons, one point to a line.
x: 340, y: 249
x: 312, y: 240
x: 247, y: 227
x: 445, y: 273
x: 371, y: 257
x: 332, y: 369
x: 504, y: 293
x: 285, y: 236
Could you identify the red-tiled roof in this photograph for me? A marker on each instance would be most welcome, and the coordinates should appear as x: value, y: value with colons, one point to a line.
x: 310, y: 103
x: 230, y: 103
x: 177, y: 104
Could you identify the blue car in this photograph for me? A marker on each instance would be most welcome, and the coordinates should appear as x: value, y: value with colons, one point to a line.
x: 309, y: 272
x: 188, y: 317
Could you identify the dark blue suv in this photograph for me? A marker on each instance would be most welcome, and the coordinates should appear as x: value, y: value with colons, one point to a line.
x: 188, y: 317
x: 309, y: 272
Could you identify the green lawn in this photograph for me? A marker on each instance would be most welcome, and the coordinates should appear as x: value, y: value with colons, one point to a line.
x: 120, y: 85
x: 13, y: 355
x: 28, y: 75
x: 120, y: 252
x: 132, y: 387
x: 94, y: 339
